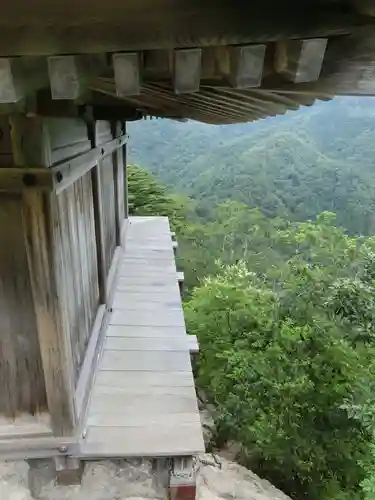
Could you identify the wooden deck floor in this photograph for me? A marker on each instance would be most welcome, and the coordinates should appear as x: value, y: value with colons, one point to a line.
x: 143, y: 400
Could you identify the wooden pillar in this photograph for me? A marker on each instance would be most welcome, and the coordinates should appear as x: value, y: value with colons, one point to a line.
x: 36, y: 370
x: 126, y: 194
x: 119, y: 184
x: 99, y: 231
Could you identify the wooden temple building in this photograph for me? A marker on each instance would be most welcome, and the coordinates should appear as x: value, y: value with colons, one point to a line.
x: 94, y: 356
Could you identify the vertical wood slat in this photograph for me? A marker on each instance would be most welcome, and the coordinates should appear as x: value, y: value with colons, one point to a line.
x: 54, y: 344
x: 124, y: 161
x: 118, y: 167
x: 78, y: 264
x: 22, y: 388
x: 59, y: 241
x: 30, y: 144
x: 99, y: 231
x: 106, y: 173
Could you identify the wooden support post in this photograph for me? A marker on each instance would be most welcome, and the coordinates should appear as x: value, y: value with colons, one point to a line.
x: 99, y: 231
x: 300, y: 60
x: 69, y: 470
x: 180, y: 281
x: 125, y: 163
x: 55, y: 347
x: 118, y: 177
x: 39, y: 219
x: 182, y: 485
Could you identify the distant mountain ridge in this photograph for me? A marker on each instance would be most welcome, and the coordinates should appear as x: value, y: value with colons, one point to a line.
x: 296, y: 166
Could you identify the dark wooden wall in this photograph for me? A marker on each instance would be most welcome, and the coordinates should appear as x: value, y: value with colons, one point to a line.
x: 22, y: 388
x: 78, y: 265
x: 57, y: 251
x: 106, y: 172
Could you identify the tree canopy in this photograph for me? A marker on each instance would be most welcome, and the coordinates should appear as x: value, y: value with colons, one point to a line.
x: 280, y: 291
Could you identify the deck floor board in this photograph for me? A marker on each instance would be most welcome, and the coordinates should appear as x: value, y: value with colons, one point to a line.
x: 143, y: 400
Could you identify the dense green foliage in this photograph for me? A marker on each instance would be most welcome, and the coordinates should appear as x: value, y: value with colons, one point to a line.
x: 284, y: 307
x: 282, y: 353
x: 294, y: 166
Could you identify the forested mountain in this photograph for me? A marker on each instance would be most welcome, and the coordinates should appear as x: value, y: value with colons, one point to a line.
x: 295, y: 166
x: 285, y: 314
x: 281, y: 298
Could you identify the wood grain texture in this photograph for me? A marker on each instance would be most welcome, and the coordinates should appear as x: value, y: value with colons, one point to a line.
x: 119, y: 184
x: 161, y: 361
x: 128, y: 379
x: 22, y: 388
x: 55, y: 347
x: 145, y: 331
x: 115, y: 25
x: 78, y: 271
x: 147, y: 344
x: 143, y: 394
x: 106, y: 171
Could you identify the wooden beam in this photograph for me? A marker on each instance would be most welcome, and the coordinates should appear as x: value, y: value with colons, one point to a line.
x: 117, y: 25
x: 187, y: 70
x: 246, y: 65
x: 126, y: 67
x: 119, y: 185
x: 69, y: 171
x: 18, y: 179
x: 66, y: 77
x: 300, y: 60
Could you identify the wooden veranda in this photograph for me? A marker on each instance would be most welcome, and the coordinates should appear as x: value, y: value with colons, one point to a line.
x: 94, y: 357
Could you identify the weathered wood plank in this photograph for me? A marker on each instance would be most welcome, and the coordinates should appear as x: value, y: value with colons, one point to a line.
x: 129, y: 379
x: 25, y: 426
x: 78, y: 266
x: 153, y: 440
x: 11, y: 80
x: 106, y: 171
x: 146, y: 361
x: 22, y: 387
x: 149, y: 301
x: 88, y: 365
x: 99, y: 232
x: 143, y: 419
x: 144, y: 377
x: 18, y: 179
x: 119, y: 185
x: 145, y: 390
x: 149, y: 404
x: 71, y: 170
x: 148, y: 318
x: 55, y: 347
x: 145, y: 331
x: 147, y: 344
x: 158, y: 308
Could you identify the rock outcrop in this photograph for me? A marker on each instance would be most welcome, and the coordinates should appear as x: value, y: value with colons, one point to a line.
x: 217, y: 479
